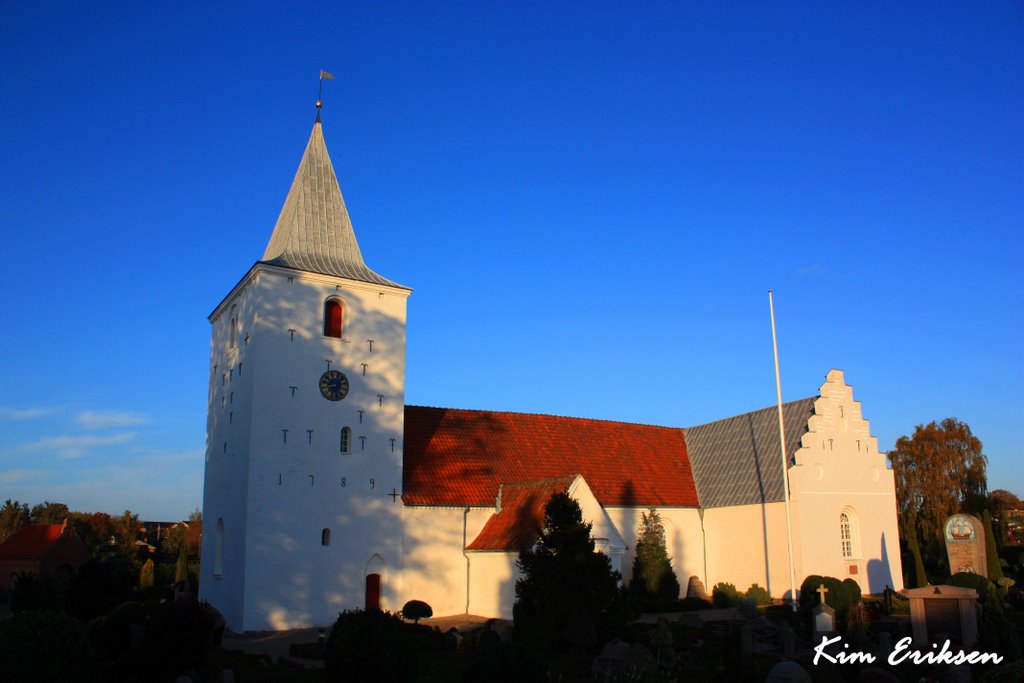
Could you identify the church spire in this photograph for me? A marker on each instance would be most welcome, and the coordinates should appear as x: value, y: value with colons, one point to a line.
x: 313, y: 232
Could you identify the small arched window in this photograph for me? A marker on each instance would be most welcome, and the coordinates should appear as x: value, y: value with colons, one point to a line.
x: 233, y: 332
x: 346, y: 440
x: 218, y: 550
x: 325, y: 537
x: 333, y: 314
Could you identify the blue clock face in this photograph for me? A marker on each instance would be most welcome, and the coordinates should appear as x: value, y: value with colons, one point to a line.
x: 333, y: 385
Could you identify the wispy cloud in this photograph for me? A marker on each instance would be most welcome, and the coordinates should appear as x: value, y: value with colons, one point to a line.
x: 22, y: 414
x: 13, y: 476
x: 97, y: 419
x: 816, y: 269
x: 68, y: 446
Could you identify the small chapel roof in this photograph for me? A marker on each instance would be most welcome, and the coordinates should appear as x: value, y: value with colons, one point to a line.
x: 30, y: 542
x: 461, y: 457
x: 314, y: 232
x: 736, y: 461
x: 519, y: 521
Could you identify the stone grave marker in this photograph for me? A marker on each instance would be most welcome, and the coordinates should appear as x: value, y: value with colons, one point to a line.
x: 965, y: 544
x: 695, y: 589
x: 824, y: 618
x: 938, y: 613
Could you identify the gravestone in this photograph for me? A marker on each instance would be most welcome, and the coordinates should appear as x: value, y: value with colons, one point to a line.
x: 695, y: 589
x: 939, y: 613
x: 965, y: 544
x: 824, y: 620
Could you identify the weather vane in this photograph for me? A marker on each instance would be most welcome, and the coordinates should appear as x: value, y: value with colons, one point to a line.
x: 320, y: 94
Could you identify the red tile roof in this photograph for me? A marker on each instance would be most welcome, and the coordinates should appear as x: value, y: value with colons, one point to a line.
x: 521, y: 518
x: 459, y: 457
x: 30, y: 542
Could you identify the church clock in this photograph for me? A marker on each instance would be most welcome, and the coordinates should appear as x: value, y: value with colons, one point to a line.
x: 333, y: 385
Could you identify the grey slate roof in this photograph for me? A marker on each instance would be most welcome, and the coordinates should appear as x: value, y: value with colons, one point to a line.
x: 736, y: 461
x: 313, y: 232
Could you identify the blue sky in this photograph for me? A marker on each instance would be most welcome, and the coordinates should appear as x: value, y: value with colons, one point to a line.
x: 590, y: 200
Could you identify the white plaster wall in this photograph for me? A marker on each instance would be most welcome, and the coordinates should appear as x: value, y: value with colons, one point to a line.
x: 492, y: 581
x: 747, y: 544
x: 684, y: 541
x: 229, y: 419
x: 839, y: 468
x: 294, y: 488
x: 435, y: 568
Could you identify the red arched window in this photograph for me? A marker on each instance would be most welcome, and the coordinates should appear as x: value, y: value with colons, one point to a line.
x: 332, y: 318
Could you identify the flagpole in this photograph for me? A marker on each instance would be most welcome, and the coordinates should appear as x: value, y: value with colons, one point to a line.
x: 785, y: 459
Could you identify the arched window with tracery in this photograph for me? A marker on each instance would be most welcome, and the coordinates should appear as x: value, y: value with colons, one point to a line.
x: 848, y: 534
x: 333, y: 318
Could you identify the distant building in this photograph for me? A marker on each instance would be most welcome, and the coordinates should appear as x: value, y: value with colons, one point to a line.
x: 44, y: 550
x: 324, y: 491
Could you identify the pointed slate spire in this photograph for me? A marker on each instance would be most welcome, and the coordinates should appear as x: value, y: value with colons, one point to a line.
x: 313, y: 232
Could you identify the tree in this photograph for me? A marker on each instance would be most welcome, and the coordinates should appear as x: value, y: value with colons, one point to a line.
x: 1000, y: 502
x: 13, y: 516
x: 563, y: 575
x: 50, y: 513
x: 95, y: 529
x: 994, y: 568
x: 652, y: 567
x: 146, y: 575
x: 940, y: 470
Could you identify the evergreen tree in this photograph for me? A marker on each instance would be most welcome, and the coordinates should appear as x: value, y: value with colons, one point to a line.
x: 146, y: 575
x: 920, y: 578
x: 652, y: 567
x: 564, y: 575
x: 994, y: 568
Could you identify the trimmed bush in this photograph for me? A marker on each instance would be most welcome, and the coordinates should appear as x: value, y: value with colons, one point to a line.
x: 694, y: 604
x: 724, y: 595
x: 416, y: 610
x: 759, y: 595
x: 841, y: 595
x: 371, y: 646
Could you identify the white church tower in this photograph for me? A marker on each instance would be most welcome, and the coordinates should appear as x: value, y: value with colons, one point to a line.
x: 302, y: 499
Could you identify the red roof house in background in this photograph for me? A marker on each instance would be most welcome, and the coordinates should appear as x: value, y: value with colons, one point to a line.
x: 44, y: 550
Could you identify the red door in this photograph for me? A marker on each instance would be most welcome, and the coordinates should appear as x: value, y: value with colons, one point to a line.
x: 372, y: 591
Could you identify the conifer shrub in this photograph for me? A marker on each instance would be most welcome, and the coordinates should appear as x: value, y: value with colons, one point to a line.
x: 562, y: 572
x: 724, y: 595
x: 653, y: 578
x: 146, y: 578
